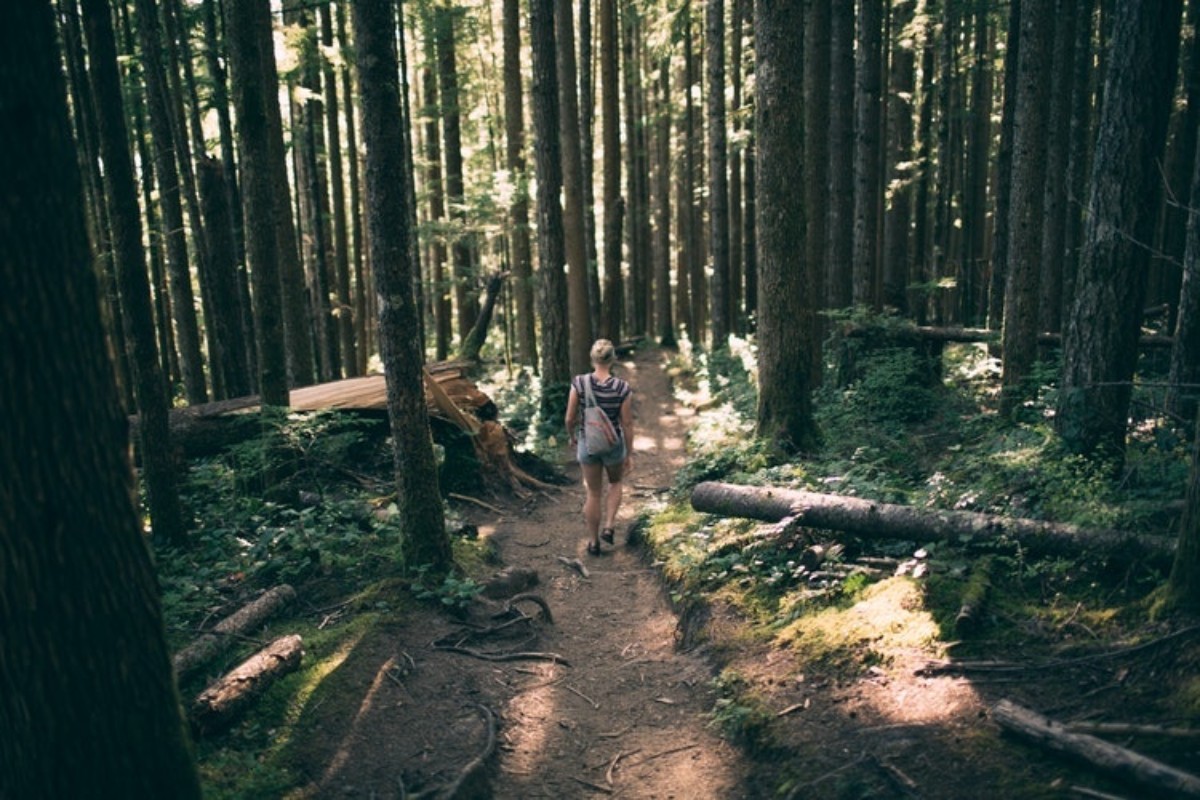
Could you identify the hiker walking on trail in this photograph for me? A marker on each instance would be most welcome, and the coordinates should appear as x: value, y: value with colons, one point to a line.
x: 603, y: 439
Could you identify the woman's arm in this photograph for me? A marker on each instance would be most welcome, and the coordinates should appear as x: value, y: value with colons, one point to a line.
x: 572, y: 412
x: 627, y: 424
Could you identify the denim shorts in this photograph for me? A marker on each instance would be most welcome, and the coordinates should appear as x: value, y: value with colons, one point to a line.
x: 611, y: 458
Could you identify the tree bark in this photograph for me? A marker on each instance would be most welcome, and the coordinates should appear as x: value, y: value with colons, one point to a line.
x: 1183, y: 585
x: 867, y: 108
x: 423, y: 526
x: 88, y: 707
x: 218, y: 706
x: 898, y: 217
x: 345, y: 312
x: 551, y: 249
x: 251, y: 96
x: 610, y: 137
x: 1184, y: 376
x: 817, y: 53
x: 1108, y: 757
x: 1028, y: 194
x: 840, y: 202
x: 874, y: 520
x: 578, y: 311
x: 1004, y: 159
x: 514, y: 122
x: 785, y: 302
x: 718, y: 178
x: 1100, y: 345
x: 150, y: 387
x: 663, y: 315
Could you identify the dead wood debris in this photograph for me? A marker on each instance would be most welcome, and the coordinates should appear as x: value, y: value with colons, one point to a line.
x: 593, y: 786
x: 612, y: 767
x: 513, y: 656
x: 575, y: 564
x: 462, y: 785
x: 578, y: 693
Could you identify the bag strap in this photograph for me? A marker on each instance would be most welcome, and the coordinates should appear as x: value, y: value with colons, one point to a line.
x: 588, y: 398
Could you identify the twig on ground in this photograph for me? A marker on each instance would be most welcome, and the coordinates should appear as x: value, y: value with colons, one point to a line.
x: 532, y: 598
x: 608, y: 775
x: 516, y: 656
x: 593, y: 786
x: 1131, y: 729
x: 477, y: 502
x: 1083, y: 791
x: 575, y: 564
x: 791, y: 708
x: 672, y: 751
x: 616, y: 734
x: 532, y: 544
x: 578, y: 693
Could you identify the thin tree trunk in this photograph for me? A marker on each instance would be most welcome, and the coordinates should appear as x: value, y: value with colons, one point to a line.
x: 610, y: 137
x: 442, y: 306
x: 979, y: 141
x: 587, y: 144
x: 1004, y: 177
x: 867, y: 110
x: 816, y: 148
x: 424, y: 539
x: 737, y: 280
x: 840, y: 203
x: 362, y: 314
x: 718, y: 179
x: 345, y: 311
x: 514, y: 120
x: 898, y: 218
x: 662, y: 282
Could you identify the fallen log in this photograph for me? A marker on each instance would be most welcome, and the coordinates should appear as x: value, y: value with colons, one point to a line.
x: 1113, y: 759
x: 239, y: 623
x: 887, y: 520
x: 220, y: 704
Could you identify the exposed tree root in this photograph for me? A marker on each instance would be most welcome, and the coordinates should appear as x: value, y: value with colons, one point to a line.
x: 463, y: 785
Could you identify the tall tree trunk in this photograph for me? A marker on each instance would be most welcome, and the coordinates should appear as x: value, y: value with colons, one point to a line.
x: 1183, y: 385
x: 442, y: 306
x: 362, y: 314
x: 1004, y: 160
x: 683, y: 220
x: 466, y: 295
x: 150, y: 388
x: 345, y: 311
x: 89, y: 707
x: 610, y: 137
x: 663, y: 315
x: 816, y: 150
x: 514, y: 121
x: 867, y: 109
x: 552, y: 299
x: 785, y: 311
x: 750, y: 244
x: 920, y: 271
x: 1030, y: 120
x: 718, y: 179
x: 898, y: 217
x: 587, y: 144
x: 975, y: 193
x: 1050, y: 304
x: 1100, y: 342
x: 244, y: 21
x: 1183, y: 585
x: 579, y: 314
x: 840, y: 203
x: 737, y: 280
x: 695, y: 232
x: 423, y: 528
x: 182, y: 299
x: 639, y: 211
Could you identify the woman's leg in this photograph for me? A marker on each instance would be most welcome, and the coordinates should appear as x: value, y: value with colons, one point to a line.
x: 612, y: 501
x: 593, y: 481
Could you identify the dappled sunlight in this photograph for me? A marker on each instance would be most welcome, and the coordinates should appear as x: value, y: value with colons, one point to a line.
x: 313, y: 678
x: 342, y: 755
x: 533, y: 714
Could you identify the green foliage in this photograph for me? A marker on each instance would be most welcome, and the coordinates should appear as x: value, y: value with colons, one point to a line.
x: 738, y: 714
x: 453, y: 592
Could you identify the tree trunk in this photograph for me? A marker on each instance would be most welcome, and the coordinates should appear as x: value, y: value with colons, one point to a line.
x: 737, y: 281
x: 899, y: 169
x: 975, y: 190
x: 1004, y: 159
x: 718, y: 178
x: 345, y: 312
x: 514, y: 121
x: 816, y: 148
x: 920, y: 275
x: 587, y: 144
x: 1182, y: 385
x: 886, y: 520
x: 867, y: 96
x: 1079, y: 153
x: 578, y: 310
x: 785, y: 305
x: 663, y: 315
x: 424, y: 534
x: 89, y: 708
x: 610, y: 137
x: 693, y: 144
x: 130, y: 261
x: 1110, y: 758
x: 362, y: 315
x: 442, y: 305
x: 1100, y: 346
x: 840, y: 202
x: 182, y: 299
x: 1025, y: 214
x: 251, y: 97
x: 218, y: 706
x: 465, y: 296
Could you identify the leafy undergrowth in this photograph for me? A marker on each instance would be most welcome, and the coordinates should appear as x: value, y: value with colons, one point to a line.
x: 834, y: 629
x: 309, y: 504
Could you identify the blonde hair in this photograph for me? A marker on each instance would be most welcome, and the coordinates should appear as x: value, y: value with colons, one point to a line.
x: 603, y: 352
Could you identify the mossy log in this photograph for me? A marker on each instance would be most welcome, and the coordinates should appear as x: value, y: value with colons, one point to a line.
x: 224, y: 633
x: 221, y: 703
x: 872, y: 519
x: 974, y: 596
x: 1161, y: 779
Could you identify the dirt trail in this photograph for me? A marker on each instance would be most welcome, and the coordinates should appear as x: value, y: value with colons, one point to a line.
x: 626, y: 717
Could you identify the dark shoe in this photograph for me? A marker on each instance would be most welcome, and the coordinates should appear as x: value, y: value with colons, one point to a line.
x: 593, y: 548
x: 607, y: 535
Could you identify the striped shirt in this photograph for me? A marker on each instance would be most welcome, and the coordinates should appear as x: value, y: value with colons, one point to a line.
x: 609, y: 394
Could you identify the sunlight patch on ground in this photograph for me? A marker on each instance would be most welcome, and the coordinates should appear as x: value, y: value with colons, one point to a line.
x: 338, y: 762
x: 531, y: 712
x: 312, y: 681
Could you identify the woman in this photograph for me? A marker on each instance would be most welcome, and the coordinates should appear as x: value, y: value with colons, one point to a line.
x: 613, y: 396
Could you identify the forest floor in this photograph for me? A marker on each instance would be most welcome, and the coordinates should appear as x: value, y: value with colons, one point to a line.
x: 629, y: 693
